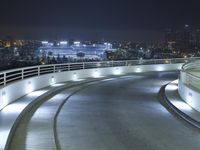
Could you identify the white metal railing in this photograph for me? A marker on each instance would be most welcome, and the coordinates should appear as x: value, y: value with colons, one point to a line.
x: 23, y: 73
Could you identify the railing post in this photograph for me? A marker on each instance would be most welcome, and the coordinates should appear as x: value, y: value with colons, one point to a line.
x: 54, y: 68
x: 69, y: 67
x: 83, y: 65
x: 173, y: 61
x: 4, y: 79
x: 126, y: 63
x: 38, y: 70
x: 22, y: 74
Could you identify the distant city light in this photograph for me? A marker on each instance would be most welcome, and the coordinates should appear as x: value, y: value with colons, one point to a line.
x: 77, y: 43
x: 186, y: 25
x: 63, y: 42
x: 51, y: 44
x: 45, y: 42
x: 185, y: 56
x: 108, y: 45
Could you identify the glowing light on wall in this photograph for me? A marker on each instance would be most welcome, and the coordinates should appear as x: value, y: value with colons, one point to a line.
x: 3, y: 101
x: 75, y: 78
x: 138, y: 70
x: 117, y: 71
x: 29, y: 87
x: 3, y: 94
x: 52, y: 80
x: 159, y: 68
x: 96, y: 74
x: 189, y: 99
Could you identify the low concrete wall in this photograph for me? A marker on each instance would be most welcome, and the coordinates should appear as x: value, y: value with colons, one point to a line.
x: 189, y: 88
x: 13, y: 91
x: 189, y: 94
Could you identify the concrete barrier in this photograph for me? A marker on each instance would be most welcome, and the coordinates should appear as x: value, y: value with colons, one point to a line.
x: 15, y: 90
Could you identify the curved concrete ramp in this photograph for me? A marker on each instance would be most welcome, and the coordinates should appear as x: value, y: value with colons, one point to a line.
x: 121, y: 113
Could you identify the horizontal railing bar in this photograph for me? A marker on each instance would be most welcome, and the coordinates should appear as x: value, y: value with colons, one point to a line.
x: 46, y: 72
x: 16, y: 74
x: 13, y: 79
x: 61, y: 69
x: 30, y: 71
x: 31, y: 74
x: 44, y: 69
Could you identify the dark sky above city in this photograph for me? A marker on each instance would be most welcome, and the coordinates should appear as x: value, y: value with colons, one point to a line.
x: 96, y: 19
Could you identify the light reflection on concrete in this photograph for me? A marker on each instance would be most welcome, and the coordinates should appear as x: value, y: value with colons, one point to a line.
x: 14, y: 108
x: 172, y: 87
x: 57, y: 84
x: 3, y: 134
x: 37, y: 93
x: 181, y: 105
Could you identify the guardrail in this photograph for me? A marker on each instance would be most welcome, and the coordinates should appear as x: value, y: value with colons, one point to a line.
x: 9, y: 76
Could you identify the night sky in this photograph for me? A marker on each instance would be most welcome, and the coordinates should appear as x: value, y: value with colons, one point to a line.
x: 96, y: 19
